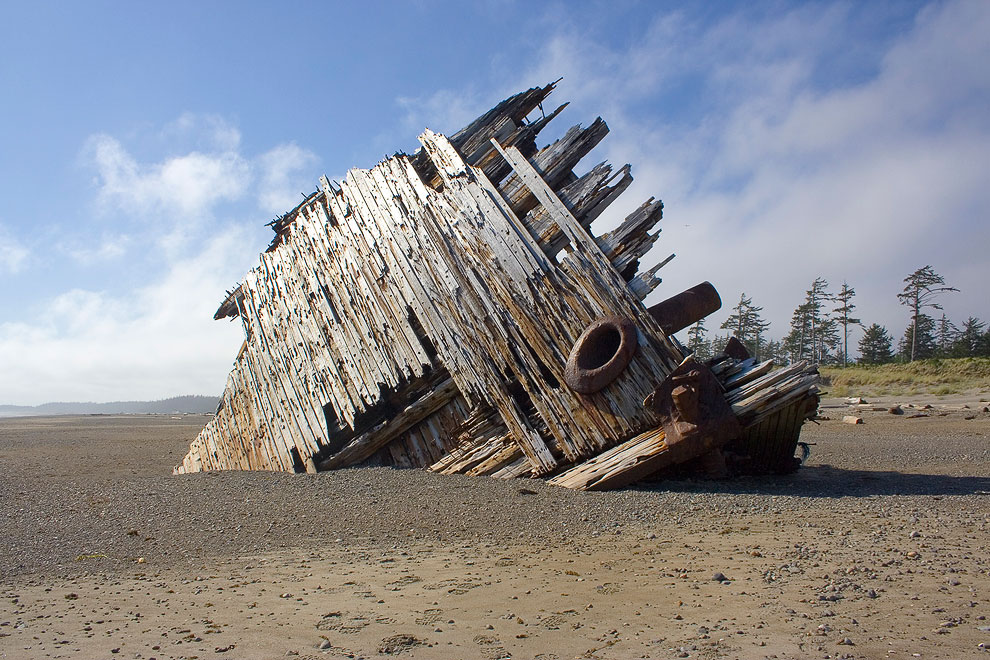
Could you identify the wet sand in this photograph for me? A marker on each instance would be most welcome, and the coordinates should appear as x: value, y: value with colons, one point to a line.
x: 878, y: 548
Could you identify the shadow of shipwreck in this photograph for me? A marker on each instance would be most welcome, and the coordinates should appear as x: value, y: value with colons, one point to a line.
x: 832, y: 482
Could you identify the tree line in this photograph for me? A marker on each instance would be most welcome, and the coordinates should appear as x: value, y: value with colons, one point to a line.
x: 819, y: 330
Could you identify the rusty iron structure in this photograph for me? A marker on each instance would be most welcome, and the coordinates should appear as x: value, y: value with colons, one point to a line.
x: 452, y: 310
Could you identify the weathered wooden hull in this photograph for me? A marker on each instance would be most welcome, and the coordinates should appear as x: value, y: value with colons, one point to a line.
x: 421, y: 313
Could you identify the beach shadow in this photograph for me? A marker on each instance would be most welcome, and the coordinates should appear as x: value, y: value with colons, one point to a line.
x: 832, y: 482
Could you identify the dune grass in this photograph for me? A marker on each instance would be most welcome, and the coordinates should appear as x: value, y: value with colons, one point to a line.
x: 937, y: 377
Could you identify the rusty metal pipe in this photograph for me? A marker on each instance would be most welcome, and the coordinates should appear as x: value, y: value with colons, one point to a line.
x: 686, y: 308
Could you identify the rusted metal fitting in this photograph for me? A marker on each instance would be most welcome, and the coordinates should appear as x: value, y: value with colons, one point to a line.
x: 601, y: 354
x: 686, y: 308
x: 693, y: 412
x: 736, y: 349
x: 685, y: 396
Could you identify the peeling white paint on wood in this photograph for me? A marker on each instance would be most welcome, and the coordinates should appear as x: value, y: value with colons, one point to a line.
x: 421, y: 314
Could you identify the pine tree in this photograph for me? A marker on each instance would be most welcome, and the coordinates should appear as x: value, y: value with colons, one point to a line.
x: 747, y: 325
x: 945, y: 338
x: 875, y: 346
x: 798, y: 341
x: 717, y: 343
x: 918, y: 340
x: 805, y: 340
x: 696, y: 341
x: 774, y: 350
x: 829, y: 339
x: 969, y: 341
x: 921, y: 288
x: 844, y: 310
x: 760, y: 328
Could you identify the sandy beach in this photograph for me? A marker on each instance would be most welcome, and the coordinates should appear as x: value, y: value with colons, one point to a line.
x: 877, y: 548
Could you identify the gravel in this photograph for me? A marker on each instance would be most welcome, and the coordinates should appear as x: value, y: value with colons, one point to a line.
x: 74, y: 489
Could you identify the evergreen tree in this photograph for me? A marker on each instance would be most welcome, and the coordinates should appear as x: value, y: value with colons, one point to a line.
x: 970, y: 339
x: 829, y: 339
x: 701, y: 348
x: 774, y: 350
x: 945, y: 337
x: 918, y: 342
x: 920, y: 290
x: 806, y: 340
x: 844, y: 310
x: 875, y: 346
x: 717, y: 344
x: 747, y: 325
x: 760, y: 328
x: 797, y: 343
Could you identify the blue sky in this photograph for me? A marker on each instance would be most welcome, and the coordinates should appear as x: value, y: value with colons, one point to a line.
x: 144, y: 146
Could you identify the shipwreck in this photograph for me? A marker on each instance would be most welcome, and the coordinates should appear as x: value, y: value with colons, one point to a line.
x: 451, y: 310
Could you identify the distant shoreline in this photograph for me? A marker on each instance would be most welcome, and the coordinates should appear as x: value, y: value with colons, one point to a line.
x: 8, y: 415
x: 190, y: 404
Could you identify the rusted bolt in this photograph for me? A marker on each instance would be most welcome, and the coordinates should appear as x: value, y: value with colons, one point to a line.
x: 601, y: 354
x: 686, y: 400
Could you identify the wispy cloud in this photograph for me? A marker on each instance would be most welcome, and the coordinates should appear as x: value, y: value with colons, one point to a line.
x: 445, y: 110
x: 110, y: 246
x: 13, y: 255
x: 780, y: 173
x: 189, y: 185
x: 105, y: 340
x: 192, y: 185
x: 208, y: 132
x: 175, y: 201
x: 284, y: 172
x: 154, y: 341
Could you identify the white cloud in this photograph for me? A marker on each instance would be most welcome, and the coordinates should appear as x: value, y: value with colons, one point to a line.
x: 444, y: 110
x: 110, y: 247
x: 781, y: 175
x: 155, y: 341
x: 175, y: 202
x: 212, y: 131
x: 13, y: 255
x: 188, y: 185
x: 285, y: 172
x: 107, y: 340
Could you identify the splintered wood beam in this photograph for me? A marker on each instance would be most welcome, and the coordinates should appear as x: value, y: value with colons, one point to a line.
x: 506, y: 122
x: 522, y: 137
x: 632, y: 239
x: 504, y: 457
x: 585, y: 197
x: 515, y: 470
x: 371, y: 441
x: 516, y: 108
x: 589, y: 205
x: 544, y: 194
x: 740, y: 379
x: 228, y: 308
x: 647, y: 281
x: 554, y: 163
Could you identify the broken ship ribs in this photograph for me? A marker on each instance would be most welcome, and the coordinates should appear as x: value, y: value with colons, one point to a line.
x: 451, y: 310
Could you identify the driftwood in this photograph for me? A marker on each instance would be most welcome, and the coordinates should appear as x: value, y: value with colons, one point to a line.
x: 420, y: 314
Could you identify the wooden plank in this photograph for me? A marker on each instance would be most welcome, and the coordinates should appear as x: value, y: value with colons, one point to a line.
x: 627, y: 462
x: 368, y: 443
